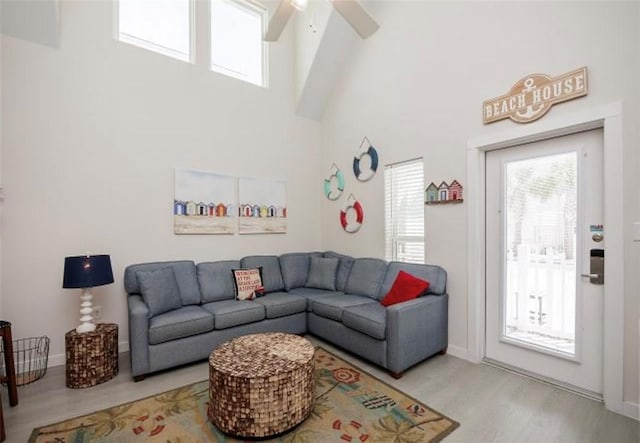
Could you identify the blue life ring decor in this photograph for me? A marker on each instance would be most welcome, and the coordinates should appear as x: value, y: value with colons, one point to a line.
x: 354, y: 225
x: 366, y: 149
x: 334, y: 194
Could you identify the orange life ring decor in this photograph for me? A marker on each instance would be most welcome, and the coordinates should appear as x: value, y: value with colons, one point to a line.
x: 354, y: 225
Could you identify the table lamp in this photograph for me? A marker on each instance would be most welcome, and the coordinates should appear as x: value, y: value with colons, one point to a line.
x: 87, y: 271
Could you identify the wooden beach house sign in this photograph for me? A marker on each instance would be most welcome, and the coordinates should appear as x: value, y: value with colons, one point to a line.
x: 532, y: 96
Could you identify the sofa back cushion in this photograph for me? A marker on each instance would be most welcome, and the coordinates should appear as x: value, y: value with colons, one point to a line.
x: 322, y: 273
x: 295, y: 268
x: 159, y: 290
x: 366, y: 277
x: 344, y: 268
x: 271, y: 275
x: 183, y: 270
x: 435, y: 275
x: 216, y: 280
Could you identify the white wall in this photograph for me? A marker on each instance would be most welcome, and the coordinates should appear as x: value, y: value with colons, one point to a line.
x: 92, y: 132
x: 416, y: 90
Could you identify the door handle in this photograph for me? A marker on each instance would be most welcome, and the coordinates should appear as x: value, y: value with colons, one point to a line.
x: 596, y: 267
x: 590, y: 275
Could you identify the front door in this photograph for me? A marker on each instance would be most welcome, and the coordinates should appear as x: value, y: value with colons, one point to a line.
x: 544, y: 214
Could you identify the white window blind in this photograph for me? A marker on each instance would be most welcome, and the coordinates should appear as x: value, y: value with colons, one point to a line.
x: 162, y: 26
x: 404, y: 211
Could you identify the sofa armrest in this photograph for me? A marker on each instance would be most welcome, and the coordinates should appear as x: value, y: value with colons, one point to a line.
x: 138, y: 335
x: 416, y: 329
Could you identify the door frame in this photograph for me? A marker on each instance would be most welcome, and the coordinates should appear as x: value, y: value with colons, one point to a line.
x: 608, y: 117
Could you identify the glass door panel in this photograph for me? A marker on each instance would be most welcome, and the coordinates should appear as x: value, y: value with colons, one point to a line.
x: 539, y: 250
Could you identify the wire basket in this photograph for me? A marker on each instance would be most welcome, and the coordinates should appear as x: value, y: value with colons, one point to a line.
x: 31, y: 356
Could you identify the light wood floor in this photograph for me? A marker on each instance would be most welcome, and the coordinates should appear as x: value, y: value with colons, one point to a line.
x: 491, y: 405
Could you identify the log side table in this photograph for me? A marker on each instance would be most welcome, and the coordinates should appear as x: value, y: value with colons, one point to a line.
x: 261, y: 385
x: 92, y: 357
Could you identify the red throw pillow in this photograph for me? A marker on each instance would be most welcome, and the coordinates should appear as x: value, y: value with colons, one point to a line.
x: 406, y: 287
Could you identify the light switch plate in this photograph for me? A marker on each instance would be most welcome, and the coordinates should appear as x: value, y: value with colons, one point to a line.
x: 636, y: 231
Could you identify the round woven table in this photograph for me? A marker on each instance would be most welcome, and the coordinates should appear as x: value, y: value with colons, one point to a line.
x: 261, y: 385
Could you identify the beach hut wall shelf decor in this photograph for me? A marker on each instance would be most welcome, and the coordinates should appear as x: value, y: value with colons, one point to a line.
x: 443, y: 193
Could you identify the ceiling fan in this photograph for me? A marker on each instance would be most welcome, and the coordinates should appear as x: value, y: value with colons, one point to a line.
x: 350, y: 10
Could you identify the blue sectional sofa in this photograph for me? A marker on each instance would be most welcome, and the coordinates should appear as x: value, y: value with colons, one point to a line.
x: 337, y: 300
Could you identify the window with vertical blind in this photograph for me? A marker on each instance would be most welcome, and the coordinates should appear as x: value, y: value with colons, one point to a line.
x: 404, y: 211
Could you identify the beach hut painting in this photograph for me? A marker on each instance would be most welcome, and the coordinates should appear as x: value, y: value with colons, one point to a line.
x: 268, y: 201
x: 203, y: 203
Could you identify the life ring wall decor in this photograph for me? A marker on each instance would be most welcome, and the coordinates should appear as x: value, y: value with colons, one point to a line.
x: 366, y: 149
x: 354, y: 225
x: 334, y: 194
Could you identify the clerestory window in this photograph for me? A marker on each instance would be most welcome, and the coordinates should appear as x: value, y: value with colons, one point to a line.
x: 237, y: 48
x: 163, y: 26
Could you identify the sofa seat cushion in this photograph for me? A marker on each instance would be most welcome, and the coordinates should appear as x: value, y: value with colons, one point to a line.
x: 312, y: 294
x: 332, y: 307
x: 229, y: 313
x: 280, y: 304
x: 370, y: 319
x: 180, y: 323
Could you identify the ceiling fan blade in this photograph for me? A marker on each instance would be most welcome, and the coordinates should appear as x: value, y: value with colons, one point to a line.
x: 279, y: 21
x: 356, y: 16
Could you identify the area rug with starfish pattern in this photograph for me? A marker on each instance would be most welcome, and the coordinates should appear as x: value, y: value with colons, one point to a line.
x: 351, y: 406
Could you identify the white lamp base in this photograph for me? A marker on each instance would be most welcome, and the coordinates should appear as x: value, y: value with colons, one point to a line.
x: 87, y: 323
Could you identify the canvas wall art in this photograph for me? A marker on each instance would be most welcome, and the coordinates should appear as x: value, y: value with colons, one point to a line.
x: 262, y: 206
x: 204, y: 203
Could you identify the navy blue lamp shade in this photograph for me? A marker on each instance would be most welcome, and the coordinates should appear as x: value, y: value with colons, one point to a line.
x: 87, y: 271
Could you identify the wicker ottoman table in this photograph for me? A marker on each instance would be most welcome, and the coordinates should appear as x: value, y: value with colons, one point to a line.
x: 92, y: 357
x: 261, y: 385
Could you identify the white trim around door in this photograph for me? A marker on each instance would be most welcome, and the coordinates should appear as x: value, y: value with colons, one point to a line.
x: 608, y: 117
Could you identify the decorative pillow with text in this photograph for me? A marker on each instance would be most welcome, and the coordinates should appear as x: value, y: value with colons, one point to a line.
x: 248, y: 283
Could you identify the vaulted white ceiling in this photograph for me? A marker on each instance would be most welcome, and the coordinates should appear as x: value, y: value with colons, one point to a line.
x: 36, y: 20
x: 324, y: 41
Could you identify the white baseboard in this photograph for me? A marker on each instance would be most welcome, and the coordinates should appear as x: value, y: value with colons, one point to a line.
x: 60, y: 359
x: 459, y: 352
x: 631, y: 410
x: 56, y: 360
